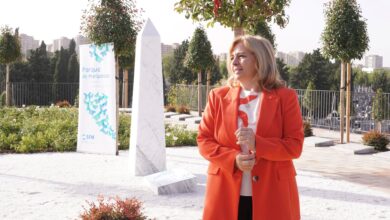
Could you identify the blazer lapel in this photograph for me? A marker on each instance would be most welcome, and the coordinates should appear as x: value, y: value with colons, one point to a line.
x: 230, y: 109
x: 268, y: 105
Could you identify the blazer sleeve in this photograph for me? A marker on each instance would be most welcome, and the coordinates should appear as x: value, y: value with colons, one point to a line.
x: 221, y: 156
x: 290, y: 145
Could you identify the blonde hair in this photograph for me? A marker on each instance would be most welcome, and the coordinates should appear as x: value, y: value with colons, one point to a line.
x: 267, y: 76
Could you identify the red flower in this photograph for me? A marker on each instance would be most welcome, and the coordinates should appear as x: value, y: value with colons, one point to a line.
x: 217, y: 4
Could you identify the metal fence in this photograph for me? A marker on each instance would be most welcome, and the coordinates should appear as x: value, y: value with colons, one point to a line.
x: 45, y: 94
x: 187, y: 95
x: 320, y: 107
x: 23, y: 93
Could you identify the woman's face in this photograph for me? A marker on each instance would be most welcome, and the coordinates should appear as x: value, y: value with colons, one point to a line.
x: 243, y: 64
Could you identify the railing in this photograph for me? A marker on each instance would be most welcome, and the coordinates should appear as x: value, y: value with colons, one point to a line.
x: 45, y: 94
x: 319, y: 107
x: 42, y: 93
x: 187, y: 95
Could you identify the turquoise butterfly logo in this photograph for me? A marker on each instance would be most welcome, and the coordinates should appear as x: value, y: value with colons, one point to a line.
x: 98, y: 52
x: 96, y: 106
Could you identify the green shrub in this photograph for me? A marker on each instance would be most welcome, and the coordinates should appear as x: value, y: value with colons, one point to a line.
x: 32, y: 143
x: 34, y: 129
x: 178, y: 135
x: 378, y: 140
x: 124, y: 131
x: 114, y: 209
x: 307, y: 129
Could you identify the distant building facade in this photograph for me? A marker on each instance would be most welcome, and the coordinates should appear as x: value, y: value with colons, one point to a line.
x: 27, y: 43
x: 373, y: 61
x: 80, y: 40
x: 168, y: 49
x: 291, y: 58
x: 62, y: 42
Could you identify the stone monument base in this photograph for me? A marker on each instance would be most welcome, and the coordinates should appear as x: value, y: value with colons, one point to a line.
x: 171, y: 181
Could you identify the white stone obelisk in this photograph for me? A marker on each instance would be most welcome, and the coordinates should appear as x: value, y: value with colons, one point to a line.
x: 147, y: 141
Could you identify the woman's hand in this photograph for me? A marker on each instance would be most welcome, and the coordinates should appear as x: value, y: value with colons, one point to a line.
x: 245, y: 136
x: 245, y: 162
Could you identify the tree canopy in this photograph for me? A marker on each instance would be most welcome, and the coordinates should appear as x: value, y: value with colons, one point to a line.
x: 199, y: 54
x: 314, y: 68
x: 345, y: 34
x: 9, y: 45
x: 239, y: 13
x: 115, y: 21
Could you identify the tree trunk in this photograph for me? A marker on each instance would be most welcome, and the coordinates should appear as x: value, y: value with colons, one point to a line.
x: 7, y: 87
x: 200, y: 93
x: 117, y: 101
x: 342, y: 94
x: 238, y: 31
x: 348, y: 110
x: 378, y: 126
x: 208, y: 83
x: 125, y: 91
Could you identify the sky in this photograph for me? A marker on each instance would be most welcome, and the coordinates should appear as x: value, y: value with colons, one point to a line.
x: 51, y: 19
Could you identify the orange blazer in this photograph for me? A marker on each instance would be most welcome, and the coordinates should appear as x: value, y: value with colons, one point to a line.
x: 279, y: 139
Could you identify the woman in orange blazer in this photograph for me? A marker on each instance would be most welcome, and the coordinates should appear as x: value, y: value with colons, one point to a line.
x: 250, y: 132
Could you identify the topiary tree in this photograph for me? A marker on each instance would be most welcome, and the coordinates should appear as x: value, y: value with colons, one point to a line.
x: 238, y: 14
x: 9, y: 53
x: 199, y: 58
x: 344, y: 38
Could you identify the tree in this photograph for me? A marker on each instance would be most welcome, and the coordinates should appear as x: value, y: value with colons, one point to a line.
x: 215, y: 75
x: 20, y: 72
x: 115, y: 21
x: 73, y: 69
x: 73, y: 64
x: 309, y: 100
x: 263, y: 29
x: 380, y: 105
x: 380, y: 81
x: 60, y: 74
x: 199, y: 58
x: 361, y: 78
x: 53, y: 62
x: 223, y: 68
x: 39, y: 64
x: 72, y: 47
x: 344, y: 38
x: 112, y: 21
x: 167, y: 61
x: 283, y: 69
x: 239, y: 14
x: 313, y: 68
x: 177, y: 71
x: 9, y: 52
x: 126, y: 62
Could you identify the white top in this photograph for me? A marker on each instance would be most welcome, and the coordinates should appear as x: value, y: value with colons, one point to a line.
x: 252, y: 111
